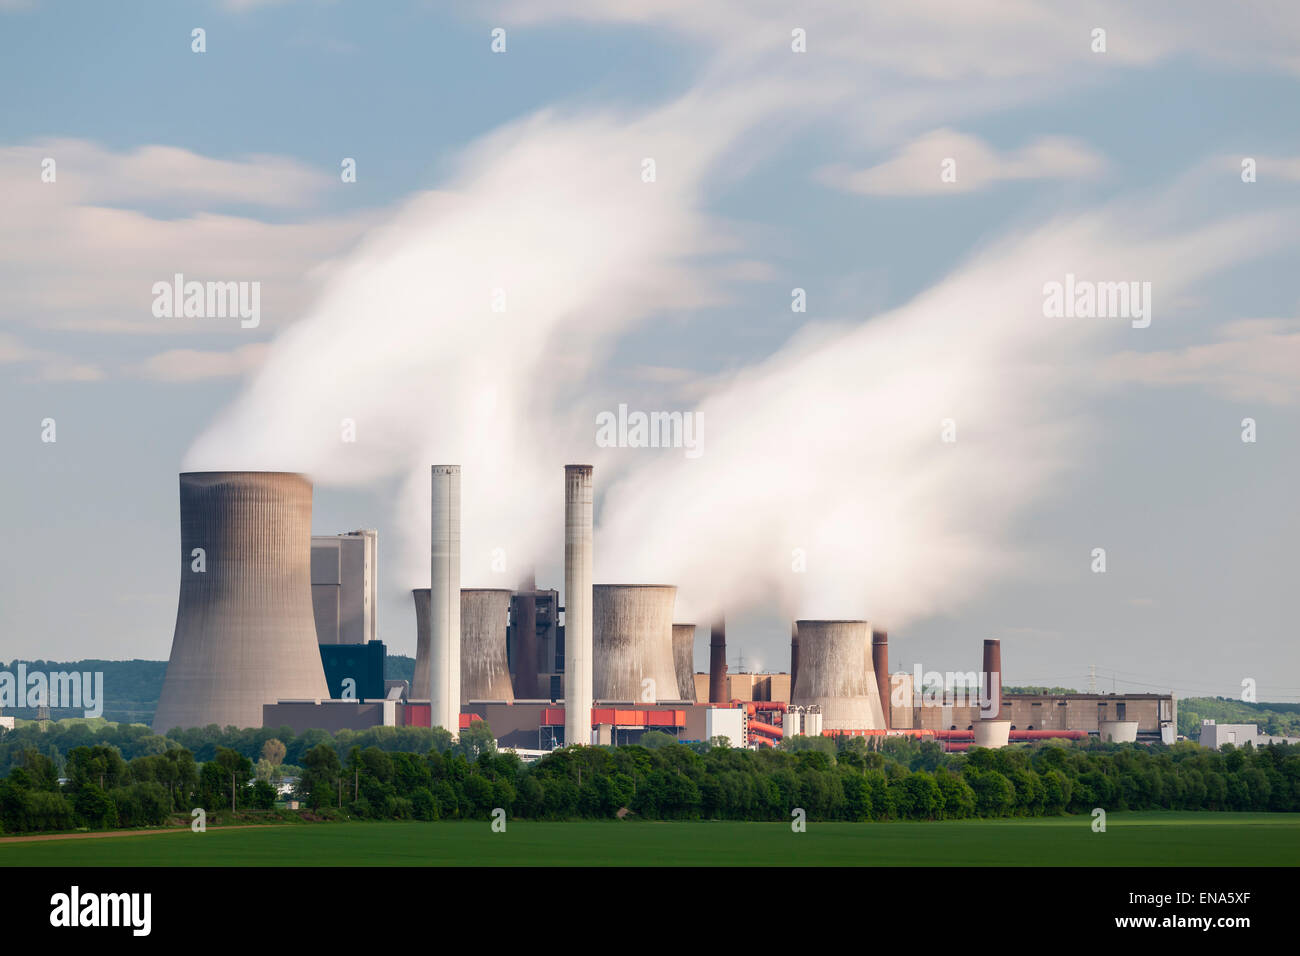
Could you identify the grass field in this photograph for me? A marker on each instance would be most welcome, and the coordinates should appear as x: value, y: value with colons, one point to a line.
x: 1144, y: 839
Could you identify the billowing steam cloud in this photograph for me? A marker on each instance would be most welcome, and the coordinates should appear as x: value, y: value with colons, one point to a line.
x: 551, y: 220
x: 824, y: 482
x: 827, y: 456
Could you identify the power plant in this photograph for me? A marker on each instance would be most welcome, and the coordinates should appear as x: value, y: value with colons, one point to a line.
x: 276, y: 627
x: 245, y: 631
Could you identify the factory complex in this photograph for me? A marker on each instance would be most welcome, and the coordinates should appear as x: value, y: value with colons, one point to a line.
x: 277, y: 627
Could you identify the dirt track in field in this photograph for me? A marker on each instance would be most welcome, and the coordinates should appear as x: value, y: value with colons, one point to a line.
x: 122, y: 833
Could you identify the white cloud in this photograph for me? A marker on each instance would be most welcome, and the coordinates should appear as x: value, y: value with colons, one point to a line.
x: 192, y: 365
x: 1255, y: 360
x: 915, y: 169
x: 71, y: 258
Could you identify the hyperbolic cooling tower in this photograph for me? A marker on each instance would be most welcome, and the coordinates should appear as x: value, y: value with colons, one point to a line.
x: 632, y: 626
x: 577, y: 603
x: 684, y: 660
x: 835, y: 674
x: 484, y: 671
x: 444, y: 600
x: 420, y: 685
x: 245, y: 632
x: 794, y: 654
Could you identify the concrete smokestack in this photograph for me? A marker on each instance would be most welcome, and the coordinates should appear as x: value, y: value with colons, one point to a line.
x: 484, y: 671
x: 245, y: 631
x: 632, y: 629
x: 684, y: 660
x: 444, y: 600
x: 880, y: 665
x: 577, y: 603
x: 718, y: 662
x: 420, y: 684
x: 524, y: 610
x: 991, y: 681
x: 835, y: 674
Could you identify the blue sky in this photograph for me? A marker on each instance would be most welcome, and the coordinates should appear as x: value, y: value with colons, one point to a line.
x: 1145, y: 457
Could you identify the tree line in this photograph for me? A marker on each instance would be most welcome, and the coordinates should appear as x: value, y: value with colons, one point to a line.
x: 894, y: 779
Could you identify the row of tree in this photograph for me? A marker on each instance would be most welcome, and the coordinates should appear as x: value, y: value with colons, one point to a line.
x: 897, y: 778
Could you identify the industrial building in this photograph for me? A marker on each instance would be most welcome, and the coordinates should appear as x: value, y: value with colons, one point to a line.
x: 345, y: 587
x: 1215, y: 735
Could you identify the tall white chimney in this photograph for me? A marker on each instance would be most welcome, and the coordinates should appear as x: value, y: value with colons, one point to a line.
x: 444, y: 601
x: 577, y: 603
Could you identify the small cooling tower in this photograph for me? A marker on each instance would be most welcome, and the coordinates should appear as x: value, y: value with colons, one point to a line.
x: 835, y: 675
x: 632, y: 629
x: 420, y: 686
x: 684, y: 660
x: 484, y: 672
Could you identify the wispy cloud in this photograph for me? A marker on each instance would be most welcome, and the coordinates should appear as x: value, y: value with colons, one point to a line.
x: 1254, y: 360
x: 948, y: 161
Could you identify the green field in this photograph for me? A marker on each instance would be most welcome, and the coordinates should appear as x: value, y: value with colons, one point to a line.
x: 1147, y: 839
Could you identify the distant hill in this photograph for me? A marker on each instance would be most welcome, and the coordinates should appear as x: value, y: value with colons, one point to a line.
x: 1274, y: 719
x: 131, y: 688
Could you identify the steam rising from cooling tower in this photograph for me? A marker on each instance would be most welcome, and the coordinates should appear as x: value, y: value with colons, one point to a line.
x: 485, y: 674
x: 633, y: 633
x: 577, y: 603
x: 684, y: 660
x: 245, y: 632
x: 444, y: 600
x: 835, y: 674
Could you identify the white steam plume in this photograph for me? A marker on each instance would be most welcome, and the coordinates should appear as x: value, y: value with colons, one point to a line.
x: 834, y: 445
x: 404, y: 341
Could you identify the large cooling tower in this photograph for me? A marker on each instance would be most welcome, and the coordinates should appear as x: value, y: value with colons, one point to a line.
x: 484, y: 671
x: 245, y: 632
x: 835, y: 674
x: 577, y: 603
x: 632, y: 625
x: 420, y: 685
x: 684, y: 660
x: 444, y: 600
